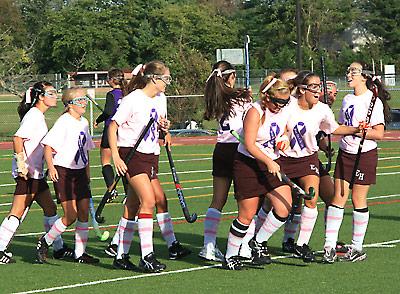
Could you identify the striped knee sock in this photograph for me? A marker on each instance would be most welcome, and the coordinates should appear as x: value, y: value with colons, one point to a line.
x: 7, y: 230
x: 261, y: 216
x: 81, y: 237
x: 211, y: 222
x: 56, y: 230
x: 250, y: 232
x: 235, y: 238
x: 166, y: 227
x: 271, y: 224
x: 308, y: 219
x: 291, y: 227
x: 334, y: 218
x: 145, y: 227
x: 126, y: 229
x: 48, y: 222
x: 360, y: 224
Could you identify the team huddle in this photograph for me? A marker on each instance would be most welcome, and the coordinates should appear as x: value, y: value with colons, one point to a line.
x: 258, y: 142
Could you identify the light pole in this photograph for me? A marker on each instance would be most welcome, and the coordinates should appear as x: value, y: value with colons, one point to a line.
x: 299, y: 57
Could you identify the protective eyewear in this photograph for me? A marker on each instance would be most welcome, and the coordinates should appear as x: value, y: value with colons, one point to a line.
x: 79, y: 101
x: 314, y: 88
x: 51, y: 93
x: 279, y: 102
x: 165, y: 78
x: 354, y: 71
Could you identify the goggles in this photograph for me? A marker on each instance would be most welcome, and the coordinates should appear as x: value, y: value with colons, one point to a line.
x: 51, y: 93
x: 78, y: 101
x: 313, y: 88
x: 165, y: 78
x: 278, y: 102
x: 354, y: 71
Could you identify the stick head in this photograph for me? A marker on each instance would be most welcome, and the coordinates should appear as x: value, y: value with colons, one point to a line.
x: 105, y: 236
x: 192, y: 218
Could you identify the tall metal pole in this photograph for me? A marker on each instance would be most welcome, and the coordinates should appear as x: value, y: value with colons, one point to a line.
x: 247, y: 59
x: 299, y: 57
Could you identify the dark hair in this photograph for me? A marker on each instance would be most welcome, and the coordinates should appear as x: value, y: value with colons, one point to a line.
x: 302, y: 78
x: 140, y: 81
x: 117, y: 76
x: 220, y: 98
x: 35, y: 91
x: 383, y: 94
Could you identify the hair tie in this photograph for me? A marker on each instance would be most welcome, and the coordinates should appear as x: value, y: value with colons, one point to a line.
x: 137, y: 69
x: 28, y: 98
x: 270, y: 84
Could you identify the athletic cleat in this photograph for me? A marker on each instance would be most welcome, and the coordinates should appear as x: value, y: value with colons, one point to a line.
x: 259, y: 252
x: 150, y: 264
x: 288, y: 246
x: 64, y: 253
x: 86, y: 258
x: 42, y: 249
x: 354, y: 255
x: 329, y: 255
x: 341, y: 248
x: 177, y: 251
x: 232, y: 263
x: 111, y: 250
x: 6, y: 257
x: 211, y: 252
x: 304, y: 252
x: 245, y: 252
x: 124, y: 263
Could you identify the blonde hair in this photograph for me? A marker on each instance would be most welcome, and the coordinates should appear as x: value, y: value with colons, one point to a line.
x: 278, y: 86
x: 70, y: 94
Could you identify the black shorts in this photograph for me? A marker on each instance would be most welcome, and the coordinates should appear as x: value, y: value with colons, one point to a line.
x: 223, y: 157
x: 104, y: 138
x: 140, y: 163
x: 30, y: 186
x: 72, y: 184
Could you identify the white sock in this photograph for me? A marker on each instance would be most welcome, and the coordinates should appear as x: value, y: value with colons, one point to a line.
x: 7, y: 230
x: 334, y: 218
x: 261, y: 216
x: 235, y: 238
x: 56, y: 230
x: 48, y: 222
x: 360, y: 224
x: 250, y: 232
x: 115, y: 239
x: 126, y: 230
x: 166, y: 227
x: 308, y: 219
x: 269, y: 227
x: 145, y: 227
x: 291, y: 227
x: 211, y: 222
x: 81, y: 237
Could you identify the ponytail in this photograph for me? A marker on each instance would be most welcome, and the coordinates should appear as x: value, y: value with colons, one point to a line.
x: 31, y: 97
x: 383, y: 95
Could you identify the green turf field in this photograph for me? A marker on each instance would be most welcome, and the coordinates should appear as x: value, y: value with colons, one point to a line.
x: 379, y: 273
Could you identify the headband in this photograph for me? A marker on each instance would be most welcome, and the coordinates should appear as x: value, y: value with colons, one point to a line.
x: 270, y: 84
x: 137, y: 69
x: 220, y: 73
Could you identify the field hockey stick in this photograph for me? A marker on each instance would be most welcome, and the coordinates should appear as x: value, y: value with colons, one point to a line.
x: 102, y: 236
x: 325, y: 86
x: 189, y: 218
x: 247, y: 60
x: 109, y: 192
x: 89, y: 96
x: 367, y: 121
x: 284, y: 178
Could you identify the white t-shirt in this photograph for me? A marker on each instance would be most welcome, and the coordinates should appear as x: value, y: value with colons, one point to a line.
x: 133, y: 115
x: 304, y: 125
x: 235, y: 122
x: 354, y: 109
x: 32, y: 129
x: 71, y: 140
x: 273, y: 127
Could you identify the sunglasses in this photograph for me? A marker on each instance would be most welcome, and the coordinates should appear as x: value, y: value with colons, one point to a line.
x: 279, y: 102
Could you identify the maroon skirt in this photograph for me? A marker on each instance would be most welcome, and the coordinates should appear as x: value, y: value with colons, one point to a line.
x: 223, y: 157
x: 300, y: 167
x: 30, y: 186
x: 140, y: 163
x: 72, y: 184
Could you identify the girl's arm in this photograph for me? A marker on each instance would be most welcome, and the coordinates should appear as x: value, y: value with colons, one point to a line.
x: 18, y: 144
x: 375, y: 133
x: 48, y: 156
x: 119, y: 164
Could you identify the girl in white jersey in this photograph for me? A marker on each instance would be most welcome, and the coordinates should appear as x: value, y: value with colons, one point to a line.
x: 66, y: 150
x: 300, y: 161
x: 226, y: 104
x: 353, y: 112
x: 27, y: 169
x: 119, y: 247
x: 133, y: 114
x: 256, y: 173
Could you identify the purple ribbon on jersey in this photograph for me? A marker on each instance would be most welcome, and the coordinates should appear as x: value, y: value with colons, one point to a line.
x: 298, y: 131
x: 273, y: 133
x: 81, y: 152
x: 348, y: 115
x: 153, y: 129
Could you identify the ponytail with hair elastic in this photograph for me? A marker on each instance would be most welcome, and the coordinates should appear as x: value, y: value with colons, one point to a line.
x: 31, y: 97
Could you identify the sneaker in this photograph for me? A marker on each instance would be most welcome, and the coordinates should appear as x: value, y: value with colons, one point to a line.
x: 41, y: 250
x: 354, y: 255
x: 64, y: 253
x: 86, y: 258
x: 111, y: 250
x: 124, y: 263
x: 288, y: 246
x: 245, y: 252
x: 232, y: 263
x: 341, y: 248
x: 259, y: 252
x: 150, y: 264
x: 177, y: 251
x: 211, y: 252
x: 329, y: 255
x: 304, y: 252
x: 114, y: 195
x: 6, y: 257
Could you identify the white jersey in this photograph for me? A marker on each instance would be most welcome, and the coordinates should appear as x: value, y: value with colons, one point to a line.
x: 273, y: 127
x: 304, y: 125
x: 354, y: 109
x: 235, y: 122
x: 133, y: 115
x: 32, y: 129
x: 71, y: 140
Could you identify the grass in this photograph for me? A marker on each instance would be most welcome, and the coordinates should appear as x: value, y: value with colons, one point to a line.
x: 378, y: 273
